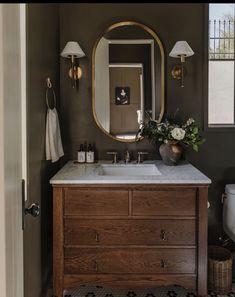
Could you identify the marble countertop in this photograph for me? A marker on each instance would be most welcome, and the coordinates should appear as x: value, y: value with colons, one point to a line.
x: 183, y: 173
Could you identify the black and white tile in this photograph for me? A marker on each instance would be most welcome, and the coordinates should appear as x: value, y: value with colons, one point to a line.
x: 172, y: 291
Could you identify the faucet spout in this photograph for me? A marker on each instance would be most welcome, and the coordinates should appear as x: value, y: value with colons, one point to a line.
x: 127, y: 157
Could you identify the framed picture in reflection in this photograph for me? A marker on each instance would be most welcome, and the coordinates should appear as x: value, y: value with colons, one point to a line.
x: 122, y: 95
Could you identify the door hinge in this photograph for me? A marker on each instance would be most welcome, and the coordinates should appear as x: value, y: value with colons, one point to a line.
x: 23, y: 202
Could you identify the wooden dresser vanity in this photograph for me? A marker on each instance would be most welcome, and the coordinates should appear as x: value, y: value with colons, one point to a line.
x: 130, y: 235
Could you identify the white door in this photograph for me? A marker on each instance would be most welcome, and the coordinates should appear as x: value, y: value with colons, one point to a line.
x: 11, y: 234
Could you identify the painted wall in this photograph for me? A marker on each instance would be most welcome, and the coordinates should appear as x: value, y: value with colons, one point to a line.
x: 42, y: 61
x: 85, y: 23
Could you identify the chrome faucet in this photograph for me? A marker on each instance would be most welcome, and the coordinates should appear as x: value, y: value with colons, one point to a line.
x: 127, y: 157
x: 139, y: 156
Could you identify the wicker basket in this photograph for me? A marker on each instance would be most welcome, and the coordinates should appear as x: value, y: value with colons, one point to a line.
x: 220, y: 262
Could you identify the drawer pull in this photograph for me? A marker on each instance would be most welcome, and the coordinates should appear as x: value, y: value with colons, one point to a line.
x: 97, y: 237
x: 163, y: 234
x: 95, y: 266
x: 163, y: 263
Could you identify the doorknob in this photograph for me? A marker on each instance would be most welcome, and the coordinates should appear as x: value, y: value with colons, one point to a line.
x: 33, y: 210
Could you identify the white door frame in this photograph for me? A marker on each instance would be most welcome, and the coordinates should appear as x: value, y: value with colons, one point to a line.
x: 23, y: 96
x: 11, y: 234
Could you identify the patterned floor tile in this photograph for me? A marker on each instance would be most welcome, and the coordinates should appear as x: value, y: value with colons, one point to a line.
x: 172, y: 291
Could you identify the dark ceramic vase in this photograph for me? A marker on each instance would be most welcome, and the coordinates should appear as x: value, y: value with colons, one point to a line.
x: 170, y: 153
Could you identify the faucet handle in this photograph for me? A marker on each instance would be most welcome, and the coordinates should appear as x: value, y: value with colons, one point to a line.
x: 114, y: 156
x: 139, y: 156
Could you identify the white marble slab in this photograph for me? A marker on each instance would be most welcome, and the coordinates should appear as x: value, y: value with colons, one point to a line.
x: 183, y: 173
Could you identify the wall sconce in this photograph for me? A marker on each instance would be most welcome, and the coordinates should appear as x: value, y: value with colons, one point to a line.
x: 73, y: 51
x: 180, y: 50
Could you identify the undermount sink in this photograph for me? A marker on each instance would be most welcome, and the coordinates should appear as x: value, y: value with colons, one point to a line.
x: 129, y: 170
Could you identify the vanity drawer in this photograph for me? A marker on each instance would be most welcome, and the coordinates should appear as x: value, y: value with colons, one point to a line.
x: 129, y: 232
x: 129, y: 260
x: 179, y: 202
x: 96, y: 202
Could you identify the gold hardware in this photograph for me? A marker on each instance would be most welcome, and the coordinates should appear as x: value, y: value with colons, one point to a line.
x: 176, y: 72
x: 97, y: 237
x: 163, y: 234
x: 75, y: 72
x: 162, y: 54
x: 163, y: 263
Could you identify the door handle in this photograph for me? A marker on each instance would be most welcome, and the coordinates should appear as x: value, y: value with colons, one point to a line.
x: 97, y: 237
x: 33, y: 210
x: 163, y: 234
x: 95, y: 266
x: 163, y: 263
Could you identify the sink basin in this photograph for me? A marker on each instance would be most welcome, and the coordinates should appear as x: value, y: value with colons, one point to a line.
x: 129, y: 170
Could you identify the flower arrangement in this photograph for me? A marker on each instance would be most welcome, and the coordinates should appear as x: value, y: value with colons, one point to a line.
x: 176, y: 133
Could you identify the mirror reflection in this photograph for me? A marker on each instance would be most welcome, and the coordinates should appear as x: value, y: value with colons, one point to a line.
x: 128, y: 76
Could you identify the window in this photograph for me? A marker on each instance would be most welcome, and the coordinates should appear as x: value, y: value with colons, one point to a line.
x: 221, y: 105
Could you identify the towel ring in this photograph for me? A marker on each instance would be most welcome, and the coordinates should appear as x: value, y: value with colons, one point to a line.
x: 49, y: 87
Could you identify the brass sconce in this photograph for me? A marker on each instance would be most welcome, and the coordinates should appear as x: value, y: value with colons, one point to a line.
x: 73, y: 51
x: 180, y: 50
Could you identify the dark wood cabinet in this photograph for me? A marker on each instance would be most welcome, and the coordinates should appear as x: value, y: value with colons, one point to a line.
x: 130, y: 236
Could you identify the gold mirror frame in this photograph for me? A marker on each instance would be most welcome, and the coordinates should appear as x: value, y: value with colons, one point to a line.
x: 156, y: 38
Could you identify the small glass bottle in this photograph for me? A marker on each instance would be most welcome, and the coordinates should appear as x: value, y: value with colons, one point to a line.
x: 89, y: 154
x: 81, y: 155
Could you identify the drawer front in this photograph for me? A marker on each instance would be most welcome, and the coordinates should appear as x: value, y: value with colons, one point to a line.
x: 130, y: 281
x: 96, y: 202
x: 129, y: 232
x: 180, y: 202
x: 129, y: 260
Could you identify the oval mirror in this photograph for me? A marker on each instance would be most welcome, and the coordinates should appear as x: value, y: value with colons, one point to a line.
x: 127, y: 79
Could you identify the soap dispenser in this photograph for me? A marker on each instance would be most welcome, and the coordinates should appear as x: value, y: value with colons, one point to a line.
x: 90, y: 154
x: 81, y: 154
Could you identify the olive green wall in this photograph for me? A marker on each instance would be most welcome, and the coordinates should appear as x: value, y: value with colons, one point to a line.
x: 84, y: 23
x: 42, y: 25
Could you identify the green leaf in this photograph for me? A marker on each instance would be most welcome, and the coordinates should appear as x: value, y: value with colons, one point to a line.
x: 195, y: 147
x: 202, y: 141
x: 195, y: 130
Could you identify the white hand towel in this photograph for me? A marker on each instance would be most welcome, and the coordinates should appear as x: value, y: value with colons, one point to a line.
x: 54, y: 148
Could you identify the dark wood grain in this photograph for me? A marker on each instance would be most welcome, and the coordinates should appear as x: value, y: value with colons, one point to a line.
x: 129, y: 260
x: 58, y: 239
x: 202, y: 241
x: 112, y: 235
x: 169, y: 202
x: 130, y: 280
x: 129, y: 232
x: 96, y: 202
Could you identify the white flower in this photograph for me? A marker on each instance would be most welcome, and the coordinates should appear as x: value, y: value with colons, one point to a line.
x: 178, y: 133
x: 190, y: 121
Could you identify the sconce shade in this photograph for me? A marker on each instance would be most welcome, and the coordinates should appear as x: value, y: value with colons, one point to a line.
x: 72, y: 48
x: 181, y: 48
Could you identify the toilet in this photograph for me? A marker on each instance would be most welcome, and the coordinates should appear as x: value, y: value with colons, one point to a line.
x: 229, y: 211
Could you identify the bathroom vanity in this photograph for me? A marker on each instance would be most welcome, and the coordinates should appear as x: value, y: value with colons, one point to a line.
x: 125, y: 225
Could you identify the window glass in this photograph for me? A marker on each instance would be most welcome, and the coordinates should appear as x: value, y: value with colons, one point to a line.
x: 221, y: 64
